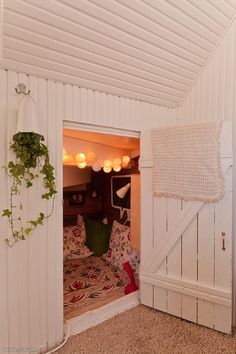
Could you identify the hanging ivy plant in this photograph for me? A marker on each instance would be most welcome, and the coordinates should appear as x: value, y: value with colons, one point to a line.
x: 32, y: 160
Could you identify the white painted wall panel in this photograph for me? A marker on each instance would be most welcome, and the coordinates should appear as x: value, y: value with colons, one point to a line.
x: 3, y: 252
x: 31, y: 306
x: 13, y: 257
x: 99, y: 108
x: 213, y: 97
x: 31, y: 314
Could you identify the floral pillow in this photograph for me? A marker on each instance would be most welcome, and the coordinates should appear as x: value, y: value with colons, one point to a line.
x: 80, y: 219
x: 75, y: 233
x: 117, y: 248
x: 74, y: 238
x: 119, y: 234
x: 132, y: 256
x: 76, y: 250
x: 120, y: 250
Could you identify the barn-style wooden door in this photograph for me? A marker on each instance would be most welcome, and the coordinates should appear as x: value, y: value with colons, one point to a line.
x: 186, y: 249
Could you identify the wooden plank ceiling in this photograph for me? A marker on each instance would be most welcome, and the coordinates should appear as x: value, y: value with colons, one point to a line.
x: 151, y: 50
x: 119, y: 142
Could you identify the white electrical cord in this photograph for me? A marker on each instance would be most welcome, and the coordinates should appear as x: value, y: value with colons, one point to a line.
x: 64, y: 342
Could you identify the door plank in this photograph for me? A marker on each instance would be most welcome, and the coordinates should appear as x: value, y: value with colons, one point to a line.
x: 223, y: 258
x: 193, y: 294
x: 189, y: 269
x: 224, y: 295
x: 147, y: 230
x: 185, y: 217
x: 174, y: 257
x: 206, y: 244
x: 160, y: 210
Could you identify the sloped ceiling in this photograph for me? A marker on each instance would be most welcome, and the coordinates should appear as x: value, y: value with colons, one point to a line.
x: 151, y: 50
x: 120, y: 142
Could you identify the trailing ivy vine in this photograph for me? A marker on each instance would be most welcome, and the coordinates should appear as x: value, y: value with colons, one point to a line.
x: 32, y: 160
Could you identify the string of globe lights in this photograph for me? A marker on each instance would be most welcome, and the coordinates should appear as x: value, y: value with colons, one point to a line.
x: 82, y: 160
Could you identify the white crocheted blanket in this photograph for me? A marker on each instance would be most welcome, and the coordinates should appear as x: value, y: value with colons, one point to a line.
x: 186, y: 162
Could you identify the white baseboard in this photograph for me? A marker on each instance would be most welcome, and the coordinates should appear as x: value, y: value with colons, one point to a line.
x: 94, y: 317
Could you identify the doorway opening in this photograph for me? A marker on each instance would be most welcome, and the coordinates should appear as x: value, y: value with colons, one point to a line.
x: 101, y: 219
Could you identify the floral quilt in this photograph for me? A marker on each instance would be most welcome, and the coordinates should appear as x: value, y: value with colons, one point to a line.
x: 90, y: 283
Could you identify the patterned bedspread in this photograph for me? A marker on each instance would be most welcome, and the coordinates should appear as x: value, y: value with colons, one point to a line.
x: 90, y: 283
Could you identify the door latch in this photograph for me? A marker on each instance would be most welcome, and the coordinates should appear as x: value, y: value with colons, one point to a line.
x: 223, y: 241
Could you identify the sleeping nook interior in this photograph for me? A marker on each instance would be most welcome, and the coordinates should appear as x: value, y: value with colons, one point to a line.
x: 101, y: 219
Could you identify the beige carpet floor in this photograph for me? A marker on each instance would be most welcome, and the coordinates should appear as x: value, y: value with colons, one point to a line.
x: 142, y: 330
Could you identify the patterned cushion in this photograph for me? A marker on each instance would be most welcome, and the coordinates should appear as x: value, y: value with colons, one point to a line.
x: 74, y: 238
x: 76, y: 250
x: 116, y: 248
x: 132, y: 256
x: 79, y: 219
x: 120, y: 250
x: 75, y: 232
x: 119, y: 234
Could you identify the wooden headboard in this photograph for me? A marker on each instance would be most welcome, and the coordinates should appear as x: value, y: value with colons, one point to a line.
x: 89, y: 206
x: 71, y: 219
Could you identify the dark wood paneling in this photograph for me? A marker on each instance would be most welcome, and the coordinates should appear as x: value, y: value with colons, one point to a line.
x: 100, y: 207
x: 92, y: 207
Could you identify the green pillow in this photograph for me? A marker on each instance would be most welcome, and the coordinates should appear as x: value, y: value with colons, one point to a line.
x: 97, y: 236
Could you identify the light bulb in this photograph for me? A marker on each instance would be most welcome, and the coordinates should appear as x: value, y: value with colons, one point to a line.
x: 64, y: 155
x: 125, y: 160
x: 96, y: 167
x: 82, y: 164
x: 107, y: 169
x: 90, y: 157
x: 116, y: 161
x: 107, y: 163
x: 68, y: 159
x: 80, y: 157
x: 117, y: 168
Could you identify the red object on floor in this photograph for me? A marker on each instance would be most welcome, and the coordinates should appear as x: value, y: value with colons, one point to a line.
x: 131, y: 286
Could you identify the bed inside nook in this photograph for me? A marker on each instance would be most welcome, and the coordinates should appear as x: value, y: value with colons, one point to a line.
x: 101, y: 222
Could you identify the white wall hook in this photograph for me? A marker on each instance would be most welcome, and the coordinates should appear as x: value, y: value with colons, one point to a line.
x: 21, y: 89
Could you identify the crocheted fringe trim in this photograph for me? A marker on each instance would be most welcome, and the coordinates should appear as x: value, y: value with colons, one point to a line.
x: 190, y: 198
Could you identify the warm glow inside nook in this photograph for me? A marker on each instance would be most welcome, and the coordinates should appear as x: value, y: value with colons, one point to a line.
x: 90, y: 159
x: 67, y: 158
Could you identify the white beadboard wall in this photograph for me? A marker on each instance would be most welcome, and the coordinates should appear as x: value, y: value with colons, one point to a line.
x: 98, y: 108
x: 213, y: 97
x: 31, y: 271
x: 31, y: 306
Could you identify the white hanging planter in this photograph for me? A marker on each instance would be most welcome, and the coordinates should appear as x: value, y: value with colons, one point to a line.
x: 27, y: 120
x: 32, y: 160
